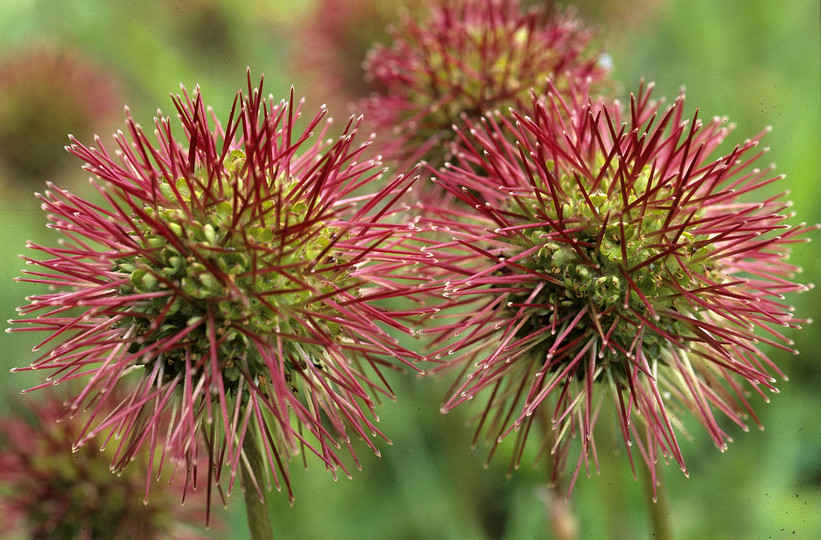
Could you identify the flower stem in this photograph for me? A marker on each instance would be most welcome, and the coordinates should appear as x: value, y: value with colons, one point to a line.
x: 256, y: 503
x: 559, y: 513
x: 562, y: 521
x: 658, y: 507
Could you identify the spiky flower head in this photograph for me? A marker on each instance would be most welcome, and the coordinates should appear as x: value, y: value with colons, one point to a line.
x: 467, y: 58
x: 232, y: 281
x: 49, y: 492
x: 610, y: 257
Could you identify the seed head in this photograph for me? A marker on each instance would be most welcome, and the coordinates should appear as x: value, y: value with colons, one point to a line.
x: 44, y: 94
x: 231, y: 283
x: 600, y: 247
x: 335, y: 39
x: 48, y: 491
x: 467, y: 58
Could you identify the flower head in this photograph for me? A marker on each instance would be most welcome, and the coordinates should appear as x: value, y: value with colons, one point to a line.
x: 469, y: 57
x: 233, y: 280
x: 608, y: 257
x: 336, y: 38
x: 45, y: 94
x: 48, y: 491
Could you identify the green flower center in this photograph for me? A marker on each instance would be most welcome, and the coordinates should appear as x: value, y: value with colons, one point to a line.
x: 254, y: 261
x: 611, y: 238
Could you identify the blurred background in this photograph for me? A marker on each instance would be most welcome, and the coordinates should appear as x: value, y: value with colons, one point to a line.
x: 70, y: 67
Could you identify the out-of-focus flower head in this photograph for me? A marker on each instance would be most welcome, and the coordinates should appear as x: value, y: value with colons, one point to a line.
x: 603, y: 256
x: 468, y: 57
x: 45, y: 94
x: 233, y: 281
x: 624, y: 16
x: 48, y: 491
x: 333, y: 43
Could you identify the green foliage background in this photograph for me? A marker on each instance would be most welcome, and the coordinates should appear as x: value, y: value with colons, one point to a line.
x: 756, y: 61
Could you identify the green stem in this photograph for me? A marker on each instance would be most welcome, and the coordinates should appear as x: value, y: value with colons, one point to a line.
x: 658, y: 507
x: 256, y: 509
